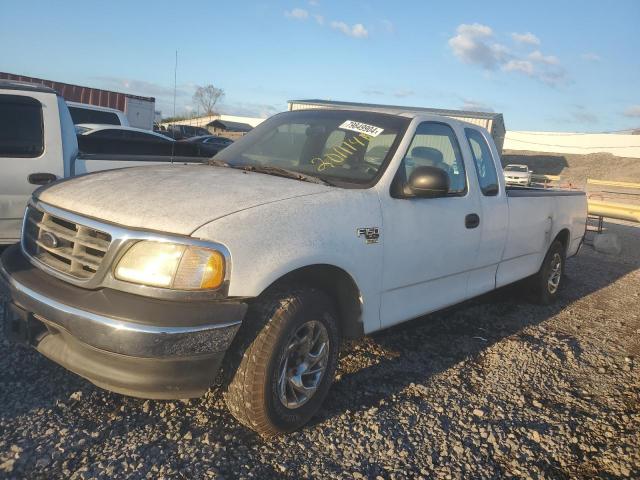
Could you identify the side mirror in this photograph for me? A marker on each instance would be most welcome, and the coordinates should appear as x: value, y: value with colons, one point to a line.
x: 491, y: 190
x: 428, y: 182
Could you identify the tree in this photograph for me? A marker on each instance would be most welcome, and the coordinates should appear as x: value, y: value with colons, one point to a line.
x: 206, y: 98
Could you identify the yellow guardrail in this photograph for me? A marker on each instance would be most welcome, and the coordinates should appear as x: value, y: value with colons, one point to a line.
x: 620, y: 211
x: 607, y: 183
x: 599, y: 207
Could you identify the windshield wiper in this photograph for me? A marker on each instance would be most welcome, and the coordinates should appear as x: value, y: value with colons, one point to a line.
x: 282, y: 172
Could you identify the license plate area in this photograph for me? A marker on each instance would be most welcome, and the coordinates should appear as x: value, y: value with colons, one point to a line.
x: 20, y: 326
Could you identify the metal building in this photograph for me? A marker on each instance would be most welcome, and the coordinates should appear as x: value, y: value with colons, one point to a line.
x: 494, y: 122
x: 139, y: 110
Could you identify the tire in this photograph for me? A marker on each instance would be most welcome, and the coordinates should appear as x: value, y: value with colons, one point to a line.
x: 271, y: 342
x: 549, y: 280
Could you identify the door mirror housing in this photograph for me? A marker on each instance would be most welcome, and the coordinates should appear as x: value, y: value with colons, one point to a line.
x: 428, y: 182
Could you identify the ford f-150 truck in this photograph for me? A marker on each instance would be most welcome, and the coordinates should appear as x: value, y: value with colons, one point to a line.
x: 316, y: 227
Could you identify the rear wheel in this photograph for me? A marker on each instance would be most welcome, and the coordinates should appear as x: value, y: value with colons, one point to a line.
x: 285, y: 362
x: 548, y: 281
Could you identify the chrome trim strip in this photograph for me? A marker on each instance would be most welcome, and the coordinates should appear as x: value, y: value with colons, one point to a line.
x: 119, y: 336
x: 121, y: 239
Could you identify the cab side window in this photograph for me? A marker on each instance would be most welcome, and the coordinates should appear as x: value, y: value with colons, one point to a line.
x: 21, y: 130
x: 483, y: 160
x: 435, y: 145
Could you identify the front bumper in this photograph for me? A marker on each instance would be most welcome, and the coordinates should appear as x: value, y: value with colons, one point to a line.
x: 517, y: 181
x: 123, y: 342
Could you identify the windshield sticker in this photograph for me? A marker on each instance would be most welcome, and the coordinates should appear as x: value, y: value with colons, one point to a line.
x: 360, y: 127
x: 338, y: 154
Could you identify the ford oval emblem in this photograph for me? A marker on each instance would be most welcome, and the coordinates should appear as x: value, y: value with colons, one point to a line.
x: 48, y: 239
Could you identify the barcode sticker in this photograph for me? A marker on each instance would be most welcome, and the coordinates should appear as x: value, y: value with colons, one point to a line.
x: 360, y: 127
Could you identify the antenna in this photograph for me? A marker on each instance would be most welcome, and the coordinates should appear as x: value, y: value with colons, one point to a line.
x: 175, y: 89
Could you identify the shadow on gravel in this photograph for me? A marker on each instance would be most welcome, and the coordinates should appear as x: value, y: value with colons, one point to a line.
x: 417, y: 350
x: 548, y: 164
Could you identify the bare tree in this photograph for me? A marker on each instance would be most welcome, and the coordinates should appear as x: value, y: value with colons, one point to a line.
x: 206, y: 98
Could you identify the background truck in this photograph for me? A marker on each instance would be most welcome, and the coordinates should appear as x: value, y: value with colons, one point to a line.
x: 317, y: 226
x: 38, y: 145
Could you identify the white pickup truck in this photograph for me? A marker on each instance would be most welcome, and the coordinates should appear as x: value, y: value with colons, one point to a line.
x: 318, y: 226
x: 38, y: 145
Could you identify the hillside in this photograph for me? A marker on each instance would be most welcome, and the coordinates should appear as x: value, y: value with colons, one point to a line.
x: 577, y: 168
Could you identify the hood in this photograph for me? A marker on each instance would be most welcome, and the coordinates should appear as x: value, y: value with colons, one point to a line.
x: 513, y: 173
x: 171, y: 198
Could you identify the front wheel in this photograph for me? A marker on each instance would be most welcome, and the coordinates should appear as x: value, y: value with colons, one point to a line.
x: 289, y: 352
x: 549, y: 279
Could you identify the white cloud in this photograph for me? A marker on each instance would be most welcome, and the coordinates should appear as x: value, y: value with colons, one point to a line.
x: 522, y: 66
x: 357, y: 30
x: 591, y: 57
x: 297, y: 14
x: 474, y: 45
x: 537, y: 56
x: 551, y: 74
x: 632, y: 111
x: 475, y: 106
x: 314, y: 3
x: 527, y: 38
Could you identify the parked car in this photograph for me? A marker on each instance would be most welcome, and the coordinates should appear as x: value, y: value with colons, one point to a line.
x: 209, y: 144
x: 179, y: 132
x: 84, y: 113
x: 517, y: 175
x: 117, y: 132
x: 38, y: 145
x: 300, y: 235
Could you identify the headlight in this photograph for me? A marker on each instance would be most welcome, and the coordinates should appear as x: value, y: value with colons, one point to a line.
x: 171, y: 265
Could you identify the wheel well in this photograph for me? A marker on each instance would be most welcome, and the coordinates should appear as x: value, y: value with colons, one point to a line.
x: 340, y: 286
x: 563, y: 237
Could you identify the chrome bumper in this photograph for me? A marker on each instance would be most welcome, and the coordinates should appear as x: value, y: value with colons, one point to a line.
x: 113, y: 333
x: 119, y: 336
x: 123, y: 342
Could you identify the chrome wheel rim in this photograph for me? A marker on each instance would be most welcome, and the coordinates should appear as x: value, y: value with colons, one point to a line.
x: 303, y: 363
x: 555, y: 274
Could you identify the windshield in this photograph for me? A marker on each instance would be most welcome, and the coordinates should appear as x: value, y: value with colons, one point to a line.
x: 516, y: 168
x: 342, y: 147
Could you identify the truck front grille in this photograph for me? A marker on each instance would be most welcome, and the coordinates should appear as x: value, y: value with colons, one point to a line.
x: 65, y: 246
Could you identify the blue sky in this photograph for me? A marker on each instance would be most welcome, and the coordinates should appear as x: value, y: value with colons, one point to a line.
x: 547, y: 65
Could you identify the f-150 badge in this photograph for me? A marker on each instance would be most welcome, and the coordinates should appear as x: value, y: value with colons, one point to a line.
x: 370, y: 234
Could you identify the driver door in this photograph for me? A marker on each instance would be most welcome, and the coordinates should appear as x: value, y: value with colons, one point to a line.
x: 429, y: 245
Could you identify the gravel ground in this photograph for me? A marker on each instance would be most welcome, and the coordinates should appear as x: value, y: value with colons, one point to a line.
x: 494, y: 388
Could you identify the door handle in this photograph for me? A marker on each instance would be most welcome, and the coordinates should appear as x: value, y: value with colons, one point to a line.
x: 41, y: 178
x: 472, y: 220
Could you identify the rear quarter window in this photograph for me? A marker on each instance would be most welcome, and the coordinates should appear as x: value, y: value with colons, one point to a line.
x: 87, y: 115
x: 21, y: 127
x: 483, y: 161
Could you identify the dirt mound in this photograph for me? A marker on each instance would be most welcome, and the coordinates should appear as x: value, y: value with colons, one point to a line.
x: 576, y: 168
